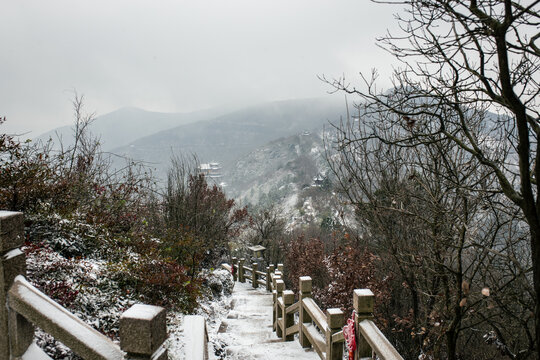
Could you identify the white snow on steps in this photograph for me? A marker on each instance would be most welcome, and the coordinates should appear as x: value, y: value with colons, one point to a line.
x: 247, y: 330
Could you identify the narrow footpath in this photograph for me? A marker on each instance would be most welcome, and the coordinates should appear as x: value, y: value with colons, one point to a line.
x: 248, y: 329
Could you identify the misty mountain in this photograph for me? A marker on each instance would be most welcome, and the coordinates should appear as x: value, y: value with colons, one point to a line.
x: 121, y: 127
x: 291, y: 173
x: 227, y: 137
x: 278, y: 168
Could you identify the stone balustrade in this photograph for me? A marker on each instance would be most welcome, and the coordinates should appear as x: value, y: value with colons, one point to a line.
x: 317, y: 329
x: 142, y: 327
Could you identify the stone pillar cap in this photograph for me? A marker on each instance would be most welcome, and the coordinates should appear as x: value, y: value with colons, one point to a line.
x: 142, y: 312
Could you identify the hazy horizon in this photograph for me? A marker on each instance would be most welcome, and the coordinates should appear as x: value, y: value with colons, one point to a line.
x: 178, y: 56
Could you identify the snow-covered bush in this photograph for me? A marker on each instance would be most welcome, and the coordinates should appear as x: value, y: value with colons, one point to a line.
x: 219, y: 282
x: 98, y: 242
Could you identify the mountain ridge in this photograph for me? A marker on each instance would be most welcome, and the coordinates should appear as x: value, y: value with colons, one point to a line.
x: 125, y: 125
x: 229, y: 136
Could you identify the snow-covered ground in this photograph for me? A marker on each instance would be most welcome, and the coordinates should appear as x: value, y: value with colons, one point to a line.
x: 239, y: 326
x: 246, y: 333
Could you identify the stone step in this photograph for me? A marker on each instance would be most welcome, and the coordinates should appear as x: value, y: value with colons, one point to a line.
x: 247, y: 330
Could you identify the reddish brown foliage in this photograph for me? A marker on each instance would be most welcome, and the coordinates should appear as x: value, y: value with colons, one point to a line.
x: 165, y: 282
x: 199, y: 222
x: 305, y: 257
x: 61, y: 291
x: 25, y: 174
x: 335, y: 272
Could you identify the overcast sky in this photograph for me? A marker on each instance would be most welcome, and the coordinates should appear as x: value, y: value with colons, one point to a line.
x: 177, y: 56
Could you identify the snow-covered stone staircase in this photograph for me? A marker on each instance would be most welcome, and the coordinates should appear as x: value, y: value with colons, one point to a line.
x: 247, y: 330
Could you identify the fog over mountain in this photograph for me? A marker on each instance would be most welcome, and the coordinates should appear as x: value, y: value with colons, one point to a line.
x: 227, y: 137
x: 177, y: 56
x: 121, y: 127
x: 221, y: 135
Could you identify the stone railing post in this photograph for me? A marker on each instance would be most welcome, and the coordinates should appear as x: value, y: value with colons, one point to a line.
x: 335, y: 320
x: 363, y: 303
x: 280, y: 287
x: 234, y: 266
x: 143, y: 331
x: 21, y: 334
x: 268, y: 279
x: 305, y: 292
x: 254, y: 276
x: 280, y: 268
x: 241, y: 270
x: 12, y: 263
x: 274, y: 299
x: 288, y: 319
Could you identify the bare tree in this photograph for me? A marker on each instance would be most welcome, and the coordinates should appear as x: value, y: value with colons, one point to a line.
x: 199, y: 220
x: 83, y: 142
x: 451, y: 245
x: 460, y: 60
x: 268, y: 225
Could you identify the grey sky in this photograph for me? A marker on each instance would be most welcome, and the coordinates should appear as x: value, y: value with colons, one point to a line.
x: 177, y: 56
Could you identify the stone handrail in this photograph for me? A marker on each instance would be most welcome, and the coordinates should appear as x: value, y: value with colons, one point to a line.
x: 256, y: 277
x: 196, y: 337
x: 377, y: 341
x: 317, y: 329
x: 29, y: 303
x: 227, y: 267
x: 142, y: 327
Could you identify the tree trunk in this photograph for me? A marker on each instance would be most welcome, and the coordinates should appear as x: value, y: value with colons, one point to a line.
x: 535, y: 244
x: 451, y: 344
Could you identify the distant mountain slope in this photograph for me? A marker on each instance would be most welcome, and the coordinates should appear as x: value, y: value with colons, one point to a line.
x: 278, y: 168
x: 120, y: 127
x: 227, y: 137
x: 292, y: 174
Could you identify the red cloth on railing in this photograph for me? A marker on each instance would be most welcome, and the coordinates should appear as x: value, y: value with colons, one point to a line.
x: 350, y: 336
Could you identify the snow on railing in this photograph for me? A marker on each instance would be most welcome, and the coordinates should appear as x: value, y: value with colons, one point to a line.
x: 195, y: 337
x: 142, y: 327
x: 315, y: 328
